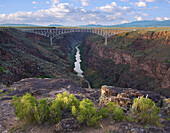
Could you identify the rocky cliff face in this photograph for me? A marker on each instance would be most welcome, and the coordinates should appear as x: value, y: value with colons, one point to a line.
x: 49, y: 88
x: 24, y: 55
x: 140, y: 72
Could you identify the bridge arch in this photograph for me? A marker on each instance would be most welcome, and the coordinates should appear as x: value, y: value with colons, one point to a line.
x: 52, y: 33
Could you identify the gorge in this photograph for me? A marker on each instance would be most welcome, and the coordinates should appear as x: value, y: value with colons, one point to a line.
x: 138, y: 59
x: 131, y: 65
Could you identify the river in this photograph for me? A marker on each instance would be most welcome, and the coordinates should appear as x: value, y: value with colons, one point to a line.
x: 77, y: 67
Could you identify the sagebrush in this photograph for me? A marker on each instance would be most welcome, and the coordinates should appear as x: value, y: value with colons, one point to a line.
x: 145, y: 111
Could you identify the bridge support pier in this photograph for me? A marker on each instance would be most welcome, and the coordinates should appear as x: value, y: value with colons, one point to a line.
x: 51, y: 41
x: 105, y: 40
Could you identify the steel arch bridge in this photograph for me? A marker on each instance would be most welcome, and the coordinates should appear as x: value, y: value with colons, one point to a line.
x: 53, y: 32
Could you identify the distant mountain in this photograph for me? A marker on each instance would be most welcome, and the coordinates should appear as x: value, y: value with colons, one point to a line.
x: 55, y: 25
x: 19, y: 25
x: 145, y: 23
x: 92, y: 25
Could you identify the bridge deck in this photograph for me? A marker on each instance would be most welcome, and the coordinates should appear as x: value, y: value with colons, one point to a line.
x: 53, y: 32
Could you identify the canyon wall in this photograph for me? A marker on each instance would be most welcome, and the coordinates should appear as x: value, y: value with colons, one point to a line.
x: 120, y: 64
x: 25, y: 55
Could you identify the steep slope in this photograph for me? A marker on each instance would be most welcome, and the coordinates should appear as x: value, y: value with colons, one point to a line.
x: 28, y: 55
x: 138, y: 59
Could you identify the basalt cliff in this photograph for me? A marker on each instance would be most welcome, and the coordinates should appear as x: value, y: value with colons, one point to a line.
x: 138, y: 59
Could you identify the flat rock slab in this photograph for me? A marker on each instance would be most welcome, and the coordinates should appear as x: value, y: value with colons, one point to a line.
x: 45, y: 87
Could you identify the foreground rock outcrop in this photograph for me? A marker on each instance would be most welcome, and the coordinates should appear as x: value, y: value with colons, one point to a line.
x: 43, y: 88
x: 125, y: 96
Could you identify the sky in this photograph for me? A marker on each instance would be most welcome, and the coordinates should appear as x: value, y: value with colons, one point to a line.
x: 82, y: 12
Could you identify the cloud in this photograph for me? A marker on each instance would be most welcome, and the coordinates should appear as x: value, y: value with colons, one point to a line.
x: 84, y: 2
x: 55, y: 1
x: 83, y: 10
x: 162, y: 19
x: 47, y: 2
x: 139, y: 4
x: 139, y: 18
x: 108, y: 7
x: 68, y: 14
x: 153, y: 0
x: 124, y: 21
x: 138, y: 14
x: 34, y: 2
x: 113, y: 4
x: 114, y: 12
x: 145, y: 9
x: 47, y: 15
x: 64, y: 13
x: 124, y: 0
x: 159, y: 19
x: 113, y: 8
x: 145, y: 14
x: 2, y: 6
x: 92, y: 22
x: 116, y: 16
x: 166, y: 18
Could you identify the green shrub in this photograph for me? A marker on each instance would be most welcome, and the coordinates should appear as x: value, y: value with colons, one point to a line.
x: 117, y: 111
x: 42, y: 112
x: 130, y: 118
x: 63, y: 101
x: 167, y: 118
x: 43, y: 77
x: 104, y: 112
x: 111, y: 106
x: 67, y: 101
x: 167, y: 61
x: 145, y: 111
x: 127, y: 34
x: 88, y: 113
x: 4, y: 69
x: 55, y: 111
x: 74, y: 110
x: 30, y: 110
x: 25, y: 75
x: 31, y: 72
x: 26, y: 107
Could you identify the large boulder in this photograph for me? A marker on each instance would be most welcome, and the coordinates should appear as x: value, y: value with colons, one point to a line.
x: 45, y: 87
x: 124, y: 96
